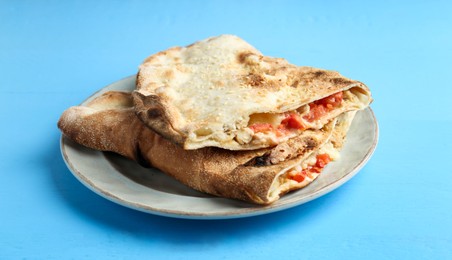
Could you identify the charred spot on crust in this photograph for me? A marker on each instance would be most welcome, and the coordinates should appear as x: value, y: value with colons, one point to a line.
x: 319, y: 74
x: 310, y: 143
x: 295, y: 84
x: 340, y: 81
x: 259, y: 161
x: 154, y: 113
x: 310, y: 75
x: 254, y: 80
x: 241, y: 57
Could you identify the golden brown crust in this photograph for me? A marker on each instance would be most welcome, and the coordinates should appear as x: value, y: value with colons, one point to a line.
x: 103, y: 124
x: 150, y: 110
x: 109, y: 123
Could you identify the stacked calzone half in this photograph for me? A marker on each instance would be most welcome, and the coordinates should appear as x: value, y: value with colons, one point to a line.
x: 224, y: 119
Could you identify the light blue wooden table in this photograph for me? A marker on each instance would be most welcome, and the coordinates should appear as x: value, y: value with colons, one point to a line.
x: 54, y: 54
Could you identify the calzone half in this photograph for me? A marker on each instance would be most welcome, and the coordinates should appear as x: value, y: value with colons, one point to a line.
x: 261, y: 176
x: 222, y: 92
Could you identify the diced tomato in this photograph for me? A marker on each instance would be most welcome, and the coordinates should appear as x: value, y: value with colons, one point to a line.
x: 282, y: 131
x: 322, y: 160
x: 292, y: 121
x: 315, y: 169
x: 299, y: 177
x: 319, y: 108
x: 261, y: 127
x: 332, y: 101
x: 315, y: 112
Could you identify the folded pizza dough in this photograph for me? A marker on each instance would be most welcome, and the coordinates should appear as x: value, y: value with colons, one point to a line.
x: 222, y: 92
x: 109, y: 123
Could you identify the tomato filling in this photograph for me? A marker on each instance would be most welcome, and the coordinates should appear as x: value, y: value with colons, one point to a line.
x: 293, y: 121
x: 319, y: 108
x: 321, y: 161
x: 261, y: 127
x: 290, y: 122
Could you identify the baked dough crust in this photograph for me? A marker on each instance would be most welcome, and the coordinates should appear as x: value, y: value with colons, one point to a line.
x: 204, y: 94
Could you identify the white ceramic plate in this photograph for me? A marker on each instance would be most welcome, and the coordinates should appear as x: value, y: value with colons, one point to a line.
x: 149, y: 190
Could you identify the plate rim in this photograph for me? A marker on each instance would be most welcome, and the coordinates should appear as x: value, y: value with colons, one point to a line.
x: 253, y: 210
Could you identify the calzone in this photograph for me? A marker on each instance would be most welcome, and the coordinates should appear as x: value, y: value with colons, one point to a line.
x: 222, y: 92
